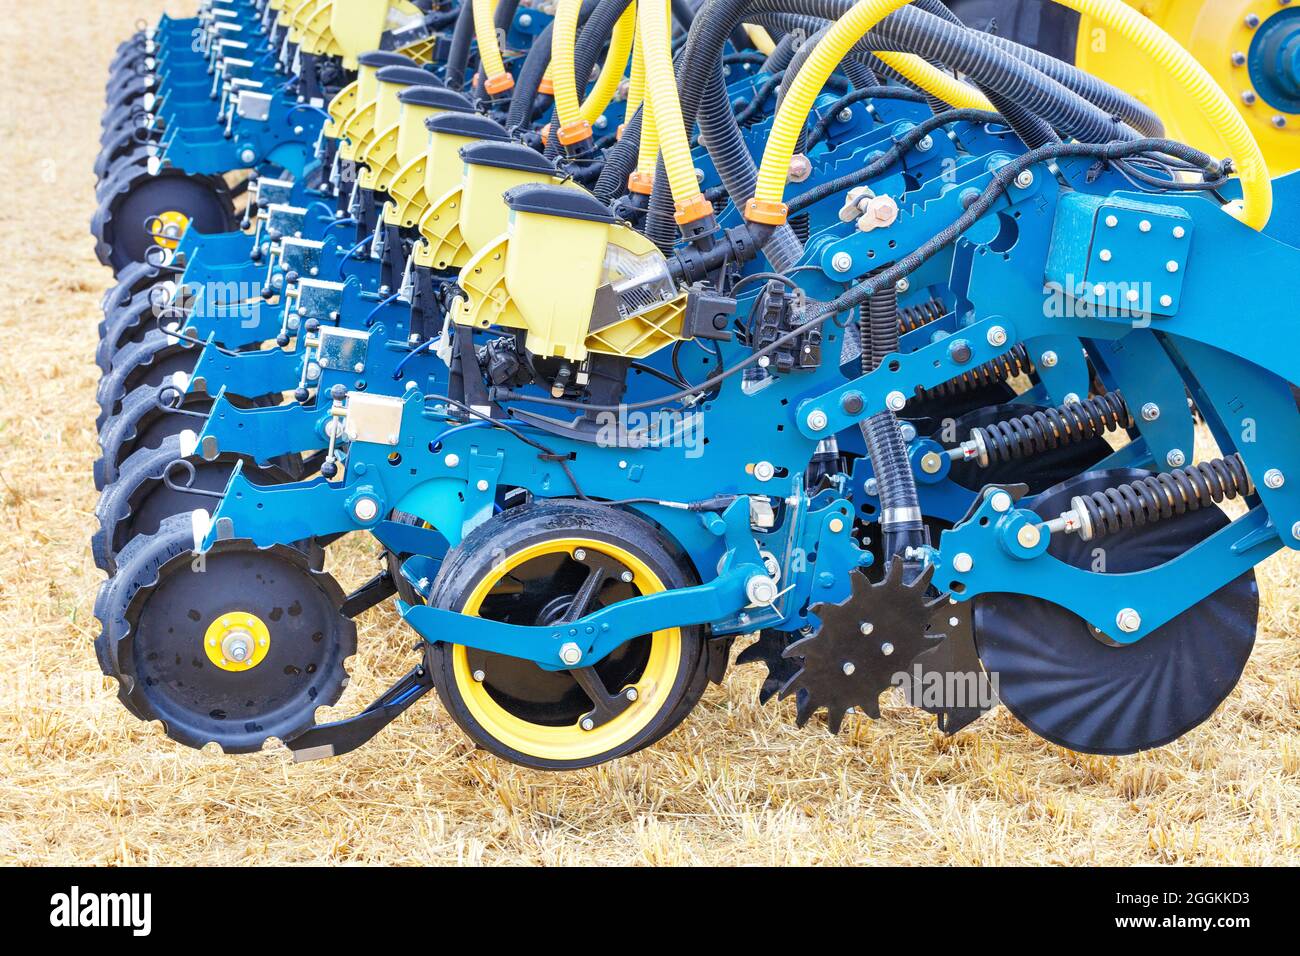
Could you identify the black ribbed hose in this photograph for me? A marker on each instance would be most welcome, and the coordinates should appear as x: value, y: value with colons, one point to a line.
x: 458, y: 56
x: 901, y: 526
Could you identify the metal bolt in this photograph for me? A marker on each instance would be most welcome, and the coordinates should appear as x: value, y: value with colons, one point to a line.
x: 841, y: 262
x: 1166, y: 301
x: 580, y: 554
x: 997, y: 336
x: 526, y: 20
x: 1025, y: 178
x: 925, y: 145
x: 866, y: 627
x: 452, y: 460
x: 1106, y: 255
x: 1172, y: 266
x: 1144, y: 225
x: 1000, y: 502
x: 482, y: 484
x: 896, y: 401
x: 570, y: 653
x: 1238, y: 59
x: 631, y: 693
x: 1295, y: 530
x: 835, y: 525
x: 1279, y: 122
x: 907, y: 430
x: 365, y: 509
x: 248, y: 157
x: 963, y: 562
x: 1176, y: 458
x: 1048, y: 360
x: 844, y: 115
x: 760, y: 589
x: 1252, y: 20
x: 626, y: 577
x: 817, y: 420
x: 1112, y: 222
x: 1249, y: 97
x: 848, y: 668
x: 931, y: 463
x: 1150, y: 412
x: 1128, y: 620
x: 764, y: 471
x: 1028, y: 536
x: 479, y: 676
x: 588, y: 723
x: 886, y: 648
x: 1274, y: 478
x: 1071, y: 398
x: 1179, y: 232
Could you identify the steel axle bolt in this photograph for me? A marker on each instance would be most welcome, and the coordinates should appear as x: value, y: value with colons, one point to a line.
x: 1128, y: 620
x: 365, y: 509
x: 1028, y: 536
x: 1000, y: 502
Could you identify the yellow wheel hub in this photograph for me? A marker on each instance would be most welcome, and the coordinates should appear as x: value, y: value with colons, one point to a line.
x: 168, y: 227
x: 1244, y: 44
x: 572, y: 742
x: 237, y: 641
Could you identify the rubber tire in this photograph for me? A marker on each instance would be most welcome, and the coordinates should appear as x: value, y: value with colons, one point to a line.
x: 520, y: 527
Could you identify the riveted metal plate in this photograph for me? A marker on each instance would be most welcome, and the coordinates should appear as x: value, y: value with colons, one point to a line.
x: 373, y: 418
x: 254, y: 106
x: 342, y: 350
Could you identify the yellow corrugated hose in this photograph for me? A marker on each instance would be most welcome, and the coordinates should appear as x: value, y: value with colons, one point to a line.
x: 1256, y: 185
x: 767, y: 207
x: 568, y: 108
x: 936, y: 82
x: 496, y: 78
x: 661, y: 88
x: 611, y: 72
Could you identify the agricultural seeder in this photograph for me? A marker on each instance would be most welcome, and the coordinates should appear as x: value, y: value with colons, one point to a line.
x: 627, y: 328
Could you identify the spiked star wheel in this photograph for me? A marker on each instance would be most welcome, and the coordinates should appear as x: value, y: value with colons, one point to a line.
x: 861, y: 645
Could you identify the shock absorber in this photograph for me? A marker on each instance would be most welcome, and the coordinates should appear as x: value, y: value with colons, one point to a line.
x: 1155, y: 498
x: 1045, y: 430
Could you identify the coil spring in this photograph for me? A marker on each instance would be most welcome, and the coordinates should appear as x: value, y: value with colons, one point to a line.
x: 1013, y: 363
x: 913, y: 317
x: 1161, y: 496
x: 1051, y: 428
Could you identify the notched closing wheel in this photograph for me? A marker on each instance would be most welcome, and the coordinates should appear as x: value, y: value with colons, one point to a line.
x: 235, y: 647
x: 542, y: 564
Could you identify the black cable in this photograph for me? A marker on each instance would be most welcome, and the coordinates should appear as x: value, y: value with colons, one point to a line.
x: 857, y: 295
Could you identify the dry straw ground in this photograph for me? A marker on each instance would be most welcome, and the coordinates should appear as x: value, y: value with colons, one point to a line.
x: 81, y: 781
